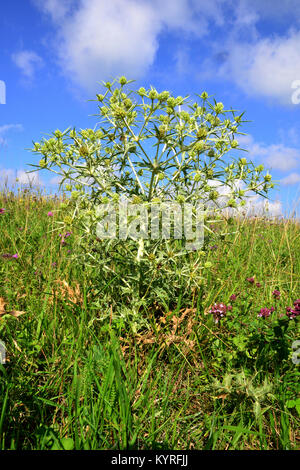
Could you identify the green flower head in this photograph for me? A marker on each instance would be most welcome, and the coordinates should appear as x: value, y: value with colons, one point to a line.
x: 75, y: 194
x: 198, y: 176
x: 127, y: 103
x: 142, y: 91
x: 180, y: 198
x: 213, y: 195
x: 153, y: 95
x: 231, y: 203
x: 43, y: 163
x: 163, y: 96
x: 123, y: 80
x: 259, y: 168
x: 202, y: 133
x: 219, y: 107
x: 267, y: 177
x: 171, y: 102
x: 179, y: 100
x: 234, y: 144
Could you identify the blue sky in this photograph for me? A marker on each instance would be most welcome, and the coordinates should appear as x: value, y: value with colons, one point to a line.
x: 246, y: 53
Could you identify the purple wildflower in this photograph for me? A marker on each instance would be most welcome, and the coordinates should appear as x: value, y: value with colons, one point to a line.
x: 8, y: 255
x: 2, y: 210
x: 233, y: 297
x: 50, y: 214
x: 219, y: 311
x: 63, y: 237
x: 250, y: 279
x: 258, y: 284
x: 265, y: 312
x: 276, y: 294
x: 293, y: 312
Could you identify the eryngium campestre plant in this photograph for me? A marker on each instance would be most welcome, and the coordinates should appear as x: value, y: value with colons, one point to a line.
x: 150, y: 147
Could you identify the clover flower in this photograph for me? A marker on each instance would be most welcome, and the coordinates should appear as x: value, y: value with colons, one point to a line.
x: 219, y: 311
x: 276, y: 294
x: 50, y: 214
x: 293, y: 312
x: 265, y: 312
x: 233, y: 297
x: 250, y: 279
x: 8, y: 255
x: 63, y: 237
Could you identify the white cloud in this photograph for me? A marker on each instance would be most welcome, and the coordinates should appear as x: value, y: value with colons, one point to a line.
x: 259, y: 206
x: 55, y: 180
x: 12, y: 177
x: 261, y: 64
x: 293, y: 178
x: 97, y: 39
x: 6, y: 128
x: 268, y: 67
x: 275, y: 156
x: 28, y: 62
x: 57, y: 9
x: 290, y: 135
x: 256, y: 205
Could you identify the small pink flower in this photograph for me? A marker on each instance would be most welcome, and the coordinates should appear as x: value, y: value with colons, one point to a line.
x: 50, y: 214
x: 15, y: 256
x: 219, y: 311
x: 250, y: 279
x: 276, y: 294
x: 265, y: 312
x: 2, y: 210
x: 295, y: 311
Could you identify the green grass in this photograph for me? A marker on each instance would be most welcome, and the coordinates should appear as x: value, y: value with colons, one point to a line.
x: 83, y: 372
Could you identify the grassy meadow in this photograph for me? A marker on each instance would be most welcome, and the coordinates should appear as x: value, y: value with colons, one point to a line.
x: 182, y: 373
